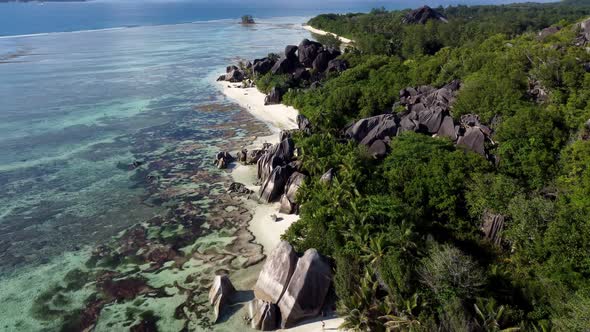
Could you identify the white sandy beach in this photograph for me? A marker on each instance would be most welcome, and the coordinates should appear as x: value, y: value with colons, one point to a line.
x: 323, y: 33
x: 266, y: 231
x: 277, y: 117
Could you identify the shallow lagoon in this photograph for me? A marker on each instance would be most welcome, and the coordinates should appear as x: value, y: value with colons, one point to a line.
x: 83, y: 234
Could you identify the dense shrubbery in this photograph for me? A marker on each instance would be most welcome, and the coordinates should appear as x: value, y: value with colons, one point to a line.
x: 382, y: 32
x: 404, y: 232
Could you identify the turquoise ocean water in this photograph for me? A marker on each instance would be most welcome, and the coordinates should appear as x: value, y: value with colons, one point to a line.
x: 76, y: 110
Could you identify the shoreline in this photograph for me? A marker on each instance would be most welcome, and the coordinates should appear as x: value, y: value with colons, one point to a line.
x: 276, y: 117
x: 324, y: 33
x: 267, y: 232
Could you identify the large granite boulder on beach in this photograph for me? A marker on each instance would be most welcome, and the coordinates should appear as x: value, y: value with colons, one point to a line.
x: 274, y: 97
x: 276, y: 273
x: 262, y: 66
x: 307, y: 289
x: 368, y: 130
x: 288, y: 204
x: 337, y: 66
x: 304, y: 124
x: 253, y: 156
x: 422, y: 15
x: 235, y: 76
x: 307, y: 51
x: 223, y: 159
x: 284, y: 150
x: 220, y: 295
x: 242, y: 155
x: 263, y: 315
x: 266, y: 164
x: 274, y: 185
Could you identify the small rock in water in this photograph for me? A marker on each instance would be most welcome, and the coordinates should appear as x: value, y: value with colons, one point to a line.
x: 136, y: 164
x: 275, y: 218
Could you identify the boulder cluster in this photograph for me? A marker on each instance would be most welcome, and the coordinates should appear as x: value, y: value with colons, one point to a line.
x: 308, y: 62
x: 426, y: 110
x: 278, y: 170
x: 422, y: 15
x: 289, y: 289
x: 279, y: 173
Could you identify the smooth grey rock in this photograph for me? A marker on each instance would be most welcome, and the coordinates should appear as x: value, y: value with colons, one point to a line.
x: 264, y: 316
x: 293, y: 184
x: 253, y: 156
x: 320, y: 63
x: 337, y: 66
x: 291, y: 52
x: 284, y: 66
x: 304, y: 124
x: 378, y: 149
x: 276, y: 273
x: 368, y: 130
x: 422, y: 15
x: 220, y: 295
x: 274, y: 97
x: 550, y: 31
x: 273, y: 187
x: 473, y: 140
x: 262, y: 66
x: 266, y: 164
x: 307, y: 289
x: 307, y: 51
x: 301, y: 74
x: 286, y: 206
x: 431, y: 119
x: 447, y: 129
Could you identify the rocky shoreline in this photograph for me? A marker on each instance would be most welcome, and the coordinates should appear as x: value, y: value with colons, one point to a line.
x: 290, y: 288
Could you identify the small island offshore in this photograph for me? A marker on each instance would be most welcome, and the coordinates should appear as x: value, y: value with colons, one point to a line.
x: 439, y: 162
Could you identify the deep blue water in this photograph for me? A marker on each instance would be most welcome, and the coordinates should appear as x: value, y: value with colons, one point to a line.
x: 31, y: 18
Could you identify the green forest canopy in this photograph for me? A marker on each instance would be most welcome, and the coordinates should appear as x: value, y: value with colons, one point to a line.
x: 404, y: 232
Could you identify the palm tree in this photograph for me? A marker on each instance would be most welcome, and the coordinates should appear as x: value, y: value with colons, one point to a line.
x: 405, y: 319
x: 489, y: 316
